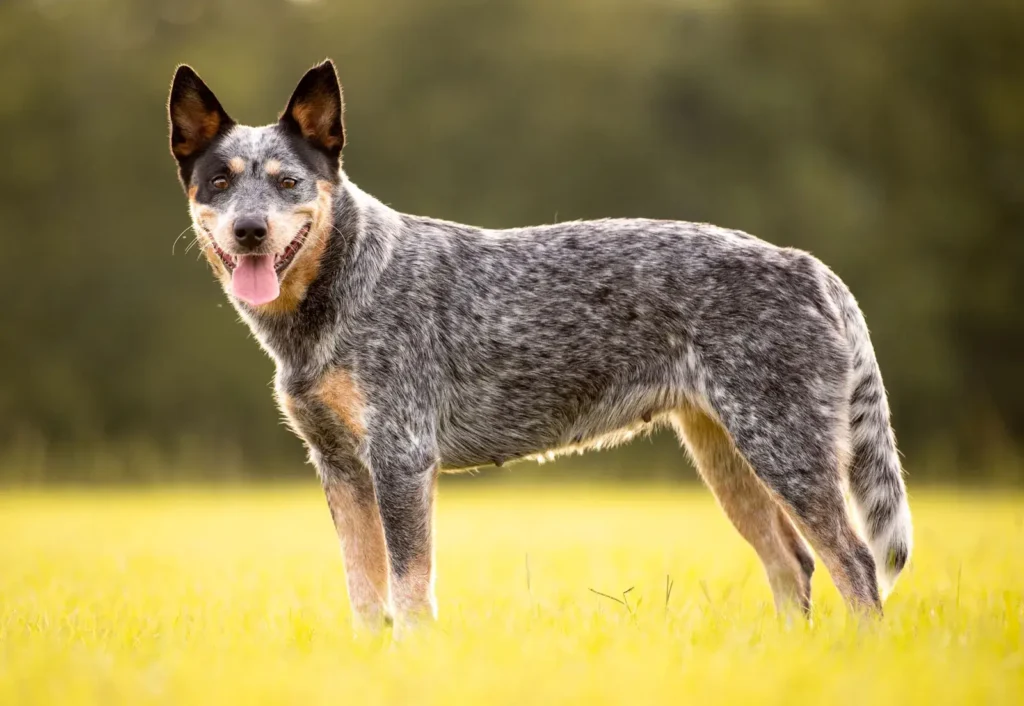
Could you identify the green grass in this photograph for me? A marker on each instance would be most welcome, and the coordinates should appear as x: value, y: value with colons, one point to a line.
x: 226, y: 596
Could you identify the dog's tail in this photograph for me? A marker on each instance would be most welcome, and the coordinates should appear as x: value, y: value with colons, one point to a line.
x: 875, y: 476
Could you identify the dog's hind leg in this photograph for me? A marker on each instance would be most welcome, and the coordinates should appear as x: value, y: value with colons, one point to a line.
x: 751, y: 509
x: 798, y: 455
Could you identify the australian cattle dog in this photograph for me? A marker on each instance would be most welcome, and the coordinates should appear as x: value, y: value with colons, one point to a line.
x: 407, y: 346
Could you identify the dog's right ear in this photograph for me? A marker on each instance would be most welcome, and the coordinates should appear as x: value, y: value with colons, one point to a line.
x: 196, y: 117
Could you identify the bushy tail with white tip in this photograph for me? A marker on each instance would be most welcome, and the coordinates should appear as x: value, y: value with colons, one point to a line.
x: 875, y: 475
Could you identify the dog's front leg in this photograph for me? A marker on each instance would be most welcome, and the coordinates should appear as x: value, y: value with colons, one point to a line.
x: 405, y: 479
x: 353, y: 504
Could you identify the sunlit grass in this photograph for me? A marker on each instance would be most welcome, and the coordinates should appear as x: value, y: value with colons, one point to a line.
x: 229, y: 596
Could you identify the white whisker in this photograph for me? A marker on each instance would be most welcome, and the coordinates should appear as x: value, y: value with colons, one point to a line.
x: 187, y: 228
x: 195, y: 241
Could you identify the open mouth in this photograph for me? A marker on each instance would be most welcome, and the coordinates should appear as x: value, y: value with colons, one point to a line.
x: 281, y: 260
x: 285, y: 258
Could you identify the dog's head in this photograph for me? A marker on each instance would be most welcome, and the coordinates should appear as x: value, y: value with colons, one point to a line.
x: 260, y: 197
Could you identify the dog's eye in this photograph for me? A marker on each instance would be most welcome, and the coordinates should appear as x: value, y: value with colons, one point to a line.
x: 220, y: 182
x: 288, y: 183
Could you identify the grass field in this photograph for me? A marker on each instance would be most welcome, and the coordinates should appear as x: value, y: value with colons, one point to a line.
x: 231, y: 595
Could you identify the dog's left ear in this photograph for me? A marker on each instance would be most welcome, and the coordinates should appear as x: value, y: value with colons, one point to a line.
x: 316, y: 110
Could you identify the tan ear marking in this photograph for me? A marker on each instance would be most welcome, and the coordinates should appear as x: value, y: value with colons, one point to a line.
x: 198, y: 124
x: 316, y: 116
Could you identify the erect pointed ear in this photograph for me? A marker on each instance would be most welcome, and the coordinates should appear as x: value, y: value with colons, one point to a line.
x: 316, y: 110
x: 195, y: 114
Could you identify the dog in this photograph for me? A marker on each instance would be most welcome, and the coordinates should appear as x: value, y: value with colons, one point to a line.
x: 406, y: 346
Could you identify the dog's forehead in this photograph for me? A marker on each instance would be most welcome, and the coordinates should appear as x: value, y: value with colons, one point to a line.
x: 255, y: 144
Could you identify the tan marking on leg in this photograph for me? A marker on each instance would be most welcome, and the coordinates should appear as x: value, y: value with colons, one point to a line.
x: 236, y: 165
x: 357, y: 521
x: 412, y: 594
x: 306, y: 266
x: 749, y: 506
x: 273, y: 167
x: 338, y: 390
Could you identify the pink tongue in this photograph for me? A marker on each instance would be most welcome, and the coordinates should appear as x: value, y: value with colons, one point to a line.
x: 254, y: 280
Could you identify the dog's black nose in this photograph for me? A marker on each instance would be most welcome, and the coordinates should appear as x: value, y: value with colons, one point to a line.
x: 250, y: 230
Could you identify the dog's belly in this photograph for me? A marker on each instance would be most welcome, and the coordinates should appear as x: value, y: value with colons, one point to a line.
x: 477, y: 436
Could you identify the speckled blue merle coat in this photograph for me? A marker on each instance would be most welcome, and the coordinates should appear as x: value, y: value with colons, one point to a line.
x: 407, y: 345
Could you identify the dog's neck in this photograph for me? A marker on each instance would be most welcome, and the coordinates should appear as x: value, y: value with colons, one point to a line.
x: 359, y: 236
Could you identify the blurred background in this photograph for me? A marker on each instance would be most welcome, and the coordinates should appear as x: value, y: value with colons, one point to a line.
x: 885, y: 136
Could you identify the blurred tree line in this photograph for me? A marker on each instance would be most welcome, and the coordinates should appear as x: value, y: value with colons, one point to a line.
x: 886, y: 136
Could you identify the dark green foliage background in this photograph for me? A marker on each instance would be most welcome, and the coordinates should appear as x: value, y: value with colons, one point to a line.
x: 885, y: 136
